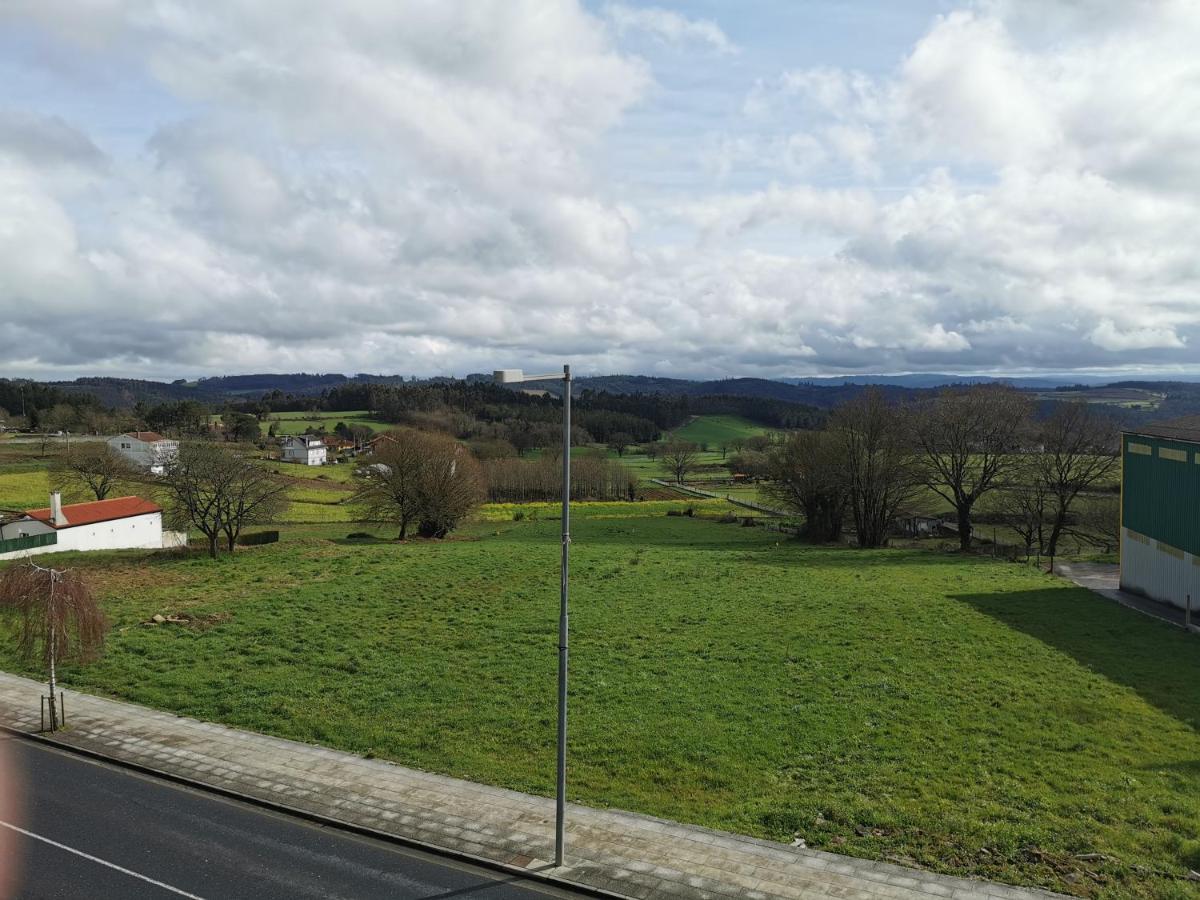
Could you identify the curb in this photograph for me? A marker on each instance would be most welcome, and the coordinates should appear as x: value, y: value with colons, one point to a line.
x: 482, y: 862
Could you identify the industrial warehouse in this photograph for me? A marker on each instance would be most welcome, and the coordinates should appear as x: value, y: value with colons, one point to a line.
x: 1160, y: 512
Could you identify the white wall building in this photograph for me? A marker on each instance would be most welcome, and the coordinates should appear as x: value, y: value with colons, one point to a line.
x: 122, y: 523
x: 148, y: 450
x: 305, y: 449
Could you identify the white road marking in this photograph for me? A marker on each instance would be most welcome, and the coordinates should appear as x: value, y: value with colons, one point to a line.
x: 103, y: 862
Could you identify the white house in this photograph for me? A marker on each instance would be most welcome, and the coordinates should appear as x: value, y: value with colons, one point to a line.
x: 122, y: 523
x: 148, y: 450
x: 305, y: 449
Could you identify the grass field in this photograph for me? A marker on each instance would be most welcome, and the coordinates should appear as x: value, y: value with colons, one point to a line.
x: 973, y: 717
x: 24, y: 487
x: 717, y: 430
x: 298, y: 422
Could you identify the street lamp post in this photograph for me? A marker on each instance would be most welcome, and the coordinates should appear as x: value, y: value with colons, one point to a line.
x: 515, y: 376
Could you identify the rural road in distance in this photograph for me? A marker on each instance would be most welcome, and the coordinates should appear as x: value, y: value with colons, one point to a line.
x: 94, y: 830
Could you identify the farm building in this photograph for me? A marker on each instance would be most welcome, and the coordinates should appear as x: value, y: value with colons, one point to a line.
x: 119, y: 524
x: 305, y: 449
x: 148, y: 450
x: 1160, y: 511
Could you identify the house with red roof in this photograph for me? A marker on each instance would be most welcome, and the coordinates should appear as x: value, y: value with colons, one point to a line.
x: 122, y: 523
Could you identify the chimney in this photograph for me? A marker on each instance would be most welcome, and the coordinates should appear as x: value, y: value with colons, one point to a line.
x: 57, y: 519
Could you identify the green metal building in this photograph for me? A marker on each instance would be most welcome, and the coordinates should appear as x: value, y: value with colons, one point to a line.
x: 1160, y: 511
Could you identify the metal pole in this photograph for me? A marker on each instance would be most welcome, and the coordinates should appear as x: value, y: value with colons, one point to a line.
x: 563, y: 652
x: 52, y: 636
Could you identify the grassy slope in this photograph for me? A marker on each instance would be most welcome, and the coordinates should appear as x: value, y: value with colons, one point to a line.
x: 717, y: 430
x: 297, y: 422
x: 953, y: 712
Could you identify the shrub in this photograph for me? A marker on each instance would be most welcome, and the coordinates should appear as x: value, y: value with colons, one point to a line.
x: 258, y: 537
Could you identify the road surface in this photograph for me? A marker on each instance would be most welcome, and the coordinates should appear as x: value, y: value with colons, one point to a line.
x: 89, y: 829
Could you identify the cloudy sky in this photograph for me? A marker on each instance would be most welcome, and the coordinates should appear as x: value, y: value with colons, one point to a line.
x: 702, y: 188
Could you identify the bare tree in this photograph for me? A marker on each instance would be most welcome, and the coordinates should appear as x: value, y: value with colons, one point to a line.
x: 680, y: 458
x: 419, y: 478
x: 389, y: 480
x: 1024, y: 507
x: 199, y: 483
x: 1099, y: 523
x: 1079, y: 450
x: 878, y: 469
x: 95, y: 469
x: 60, y: 619
x: 968, y: 439
x: 619, y: 442
x: 253, y: 497
x: 450, y: 487
x: 807, y: 476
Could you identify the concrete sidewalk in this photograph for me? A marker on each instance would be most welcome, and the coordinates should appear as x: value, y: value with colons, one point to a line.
x: 1105, y: 579
x: 607, y: 850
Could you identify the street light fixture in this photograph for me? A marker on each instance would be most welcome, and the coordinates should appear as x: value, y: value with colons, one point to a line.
x: 516, y: 376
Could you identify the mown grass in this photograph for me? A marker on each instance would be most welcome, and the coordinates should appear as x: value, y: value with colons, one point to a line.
x: 24, y: 486
x: 299, y: 422
x: 973, y: 717
x: 717, y: 430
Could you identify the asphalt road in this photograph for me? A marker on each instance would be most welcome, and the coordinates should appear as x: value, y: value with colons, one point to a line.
x: 93, y: 830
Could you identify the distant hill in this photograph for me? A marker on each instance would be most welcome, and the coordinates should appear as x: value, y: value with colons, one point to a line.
x: 1181, y: 397
x: 935, y: 380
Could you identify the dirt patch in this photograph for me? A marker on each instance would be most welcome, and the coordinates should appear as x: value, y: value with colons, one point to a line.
x: 199, y: 621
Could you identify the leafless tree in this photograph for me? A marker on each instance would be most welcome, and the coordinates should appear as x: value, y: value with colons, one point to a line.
x: 419, y: 478
x: 253, y: 497
x: 199, y: 484
x: 60, y: 619
x: 1079, y: 450
x: 450, y: 487
x: 523, y: 480
x: 680, y: 458
x: 807, y: 476
x: 619, y: 442
x: 968, y: 439
x: 94, y: 469
x: 1023, y: 504
x: 1098, y: 523
x: 388, y: 487
x: 878, y: 469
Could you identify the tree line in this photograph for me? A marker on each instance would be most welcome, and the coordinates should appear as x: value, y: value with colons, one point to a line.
x: 874, y: 459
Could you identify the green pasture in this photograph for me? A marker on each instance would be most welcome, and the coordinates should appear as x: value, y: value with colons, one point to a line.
x: 970, y: 716
x: 299, y: 422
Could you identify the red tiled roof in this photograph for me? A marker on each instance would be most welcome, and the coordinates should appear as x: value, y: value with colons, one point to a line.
x: 150, y: 437
x: 97, y: 511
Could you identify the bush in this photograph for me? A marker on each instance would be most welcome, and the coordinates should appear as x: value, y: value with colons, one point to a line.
x: 519, y: 515
x: 256, y: 538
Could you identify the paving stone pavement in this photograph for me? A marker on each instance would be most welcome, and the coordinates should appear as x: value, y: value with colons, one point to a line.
x: 624, y: 853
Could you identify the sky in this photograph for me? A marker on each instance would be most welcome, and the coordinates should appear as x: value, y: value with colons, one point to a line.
x: 692, y: 189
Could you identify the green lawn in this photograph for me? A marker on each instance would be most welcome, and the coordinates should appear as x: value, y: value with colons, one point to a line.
x: 973, y: 717
x: 298, y: 422
x: 24, y: 486
x: 717, y: 430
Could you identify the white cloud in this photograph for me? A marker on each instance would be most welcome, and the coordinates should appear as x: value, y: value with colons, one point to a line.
x: 668, y: 27
x: 427, y: 188
x: 1108, y: 336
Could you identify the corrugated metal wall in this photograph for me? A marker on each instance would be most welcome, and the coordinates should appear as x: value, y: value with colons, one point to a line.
x: 1159, y: 571
x: 1161, y: 490
x: 1160, y: 518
